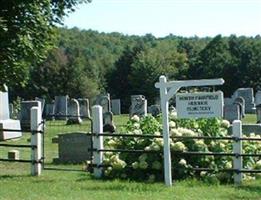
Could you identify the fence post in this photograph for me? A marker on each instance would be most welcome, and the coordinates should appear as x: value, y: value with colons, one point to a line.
x: 237, y: 149
x: 97, y: 140
x: 36, y: 139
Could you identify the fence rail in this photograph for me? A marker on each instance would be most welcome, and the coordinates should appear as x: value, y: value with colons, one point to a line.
x: 237, y: 151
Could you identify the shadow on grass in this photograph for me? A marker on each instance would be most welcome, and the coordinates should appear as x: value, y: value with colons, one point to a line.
x: 2, y: 177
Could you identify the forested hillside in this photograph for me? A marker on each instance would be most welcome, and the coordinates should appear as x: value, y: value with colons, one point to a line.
x: 85, y: 63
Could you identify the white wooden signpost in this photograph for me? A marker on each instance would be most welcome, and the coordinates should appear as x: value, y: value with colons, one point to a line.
x: 167, y: 91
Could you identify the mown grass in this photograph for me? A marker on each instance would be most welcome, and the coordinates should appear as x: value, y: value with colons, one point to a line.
x: 80, y: 185
x: 249, y: 119
x: 16, y: 182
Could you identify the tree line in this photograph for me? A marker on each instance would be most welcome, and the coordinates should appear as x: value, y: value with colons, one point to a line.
x: 39, y: 59
x: 85, y: 63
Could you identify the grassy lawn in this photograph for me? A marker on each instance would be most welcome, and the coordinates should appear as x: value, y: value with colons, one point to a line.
x: 16, y: 182
x: 249, y: 119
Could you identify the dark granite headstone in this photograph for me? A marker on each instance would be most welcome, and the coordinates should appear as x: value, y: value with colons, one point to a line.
x: 74, y: 147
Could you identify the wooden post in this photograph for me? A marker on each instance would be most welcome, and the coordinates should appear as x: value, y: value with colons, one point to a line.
x: 36, y: 139
x: 97, y: 140
x: 166, y: 139
x: 237, y: 149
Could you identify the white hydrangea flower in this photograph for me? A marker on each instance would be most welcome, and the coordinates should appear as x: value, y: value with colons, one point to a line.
x: 143, y: 165
x: 183, y: 162
x: 156, y: 165
x: 258, y: 164
x: 148, y: 148
x: 187, y: 132
x: 112, y: 143
x: 200, y: 143
x: 136, y: 125
x: 135, y: 165
x: 159, y: 141
x: 203, y: 173
x: 143, y: 157
x: 137, y: 132
x: 173, y: 115
x: 135, y: 118
x: 172, y: 124
x: 225, y: 123
x: 228, y: 165
x: 178, y: 146
x: 157, y: 133
x: 175, y: 132
x: 154, y: 147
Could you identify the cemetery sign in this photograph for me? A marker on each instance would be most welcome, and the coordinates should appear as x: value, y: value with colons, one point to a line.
x: 199, y: 105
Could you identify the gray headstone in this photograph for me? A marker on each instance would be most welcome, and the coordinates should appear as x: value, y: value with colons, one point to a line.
x: 154, y: 110
x: 11, y: 110
x: 60, y: 107
x: 108, y: 125
x: 73, y: 147
x: 231, y: 112
x: 258, y: 98
x: 74, y: 112
x: 49, y: 110
x: 248, y: 95
x: 116, y: 106
x: 228, y: 101
x: 25, y: 113
x: 138, y: 105
x: 258, y: 113
x: 84, y: 108
x: 5, y: 121
x: 241, y: 102
x: 104, y: 102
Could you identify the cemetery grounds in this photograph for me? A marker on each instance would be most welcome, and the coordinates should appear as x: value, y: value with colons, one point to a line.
x: 71, y: 182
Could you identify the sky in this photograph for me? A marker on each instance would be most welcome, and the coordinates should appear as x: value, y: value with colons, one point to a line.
x: 163, y: 17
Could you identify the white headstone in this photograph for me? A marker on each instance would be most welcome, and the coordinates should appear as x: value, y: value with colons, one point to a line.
x: 5, y: 121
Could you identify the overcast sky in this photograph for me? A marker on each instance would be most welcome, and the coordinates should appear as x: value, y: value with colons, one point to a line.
x: 162, y: 17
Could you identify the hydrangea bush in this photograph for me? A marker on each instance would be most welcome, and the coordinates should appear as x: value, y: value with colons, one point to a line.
x: 149, y: 166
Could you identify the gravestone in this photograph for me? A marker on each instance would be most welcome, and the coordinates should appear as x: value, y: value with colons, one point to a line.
x: 248, y: 95
x: 108, y: 125
x: 228, y: 101
x: 25, y: 113
x: 74, y: 148
x: 73, y: 112
x: 231, y: 112
x: 116, y: 106
x: 258, y: 113
x: 258, y: 98
x: 42, y: 100
x: 138, y: 105
x: 154, y: 110
x: 49, y: 111
x: 84, y: 108
x: 60, y: 107
x: 241, y: 102
x: 104, y: 102
x: 5, y: 121
x: 11, y: 110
